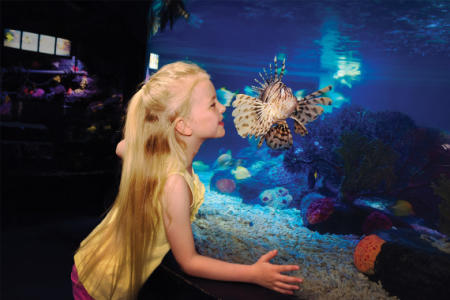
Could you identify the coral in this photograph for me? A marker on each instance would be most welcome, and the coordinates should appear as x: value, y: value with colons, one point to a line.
x: 442, y: 189
x: 326, y: 261
x: 278, y: 197
x: 280, y: 176
x: 366, y: 253
x: 376, y: 221
x: 319, y: 210
x: 225, y: 185
x: 368, y: 165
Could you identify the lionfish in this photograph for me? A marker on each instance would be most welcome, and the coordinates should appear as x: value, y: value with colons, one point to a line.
x: 264, y: 117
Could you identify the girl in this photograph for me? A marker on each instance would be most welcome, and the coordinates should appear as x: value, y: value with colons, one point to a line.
x: 167, y: 121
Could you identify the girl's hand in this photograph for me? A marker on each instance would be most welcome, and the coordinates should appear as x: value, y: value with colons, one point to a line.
x: 269, y: 275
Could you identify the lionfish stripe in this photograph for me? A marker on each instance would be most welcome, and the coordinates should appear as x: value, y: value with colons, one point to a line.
x: 249, y: 116
x: 266, y: 77
x: 317, y: 93
x: 279, y: 136
x: 275, y: 71
x: 283, y: 68
x: 299, y: 128
x: 319, y: 100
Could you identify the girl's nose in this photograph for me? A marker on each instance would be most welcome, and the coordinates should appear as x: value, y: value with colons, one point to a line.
x: 222, y: 108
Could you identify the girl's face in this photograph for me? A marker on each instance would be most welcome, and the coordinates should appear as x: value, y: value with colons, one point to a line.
x: 206, y: 117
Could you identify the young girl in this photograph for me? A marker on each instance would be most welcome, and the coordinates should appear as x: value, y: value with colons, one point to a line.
x: 167, y: 121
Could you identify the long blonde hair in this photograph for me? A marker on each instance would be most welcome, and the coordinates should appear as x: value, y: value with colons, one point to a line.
x: 153, y: 148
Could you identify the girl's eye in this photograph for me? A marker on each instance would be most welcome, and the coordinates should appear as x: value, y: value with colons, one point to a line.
x: 213, y: 105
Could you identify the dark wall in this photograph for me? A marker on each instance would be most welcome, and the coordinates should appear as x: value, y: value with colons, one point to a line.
x: 109, y: 37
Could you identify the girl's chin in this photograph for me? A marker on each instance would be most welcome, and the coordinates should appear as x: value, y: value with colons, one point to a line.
x: 221, y: 133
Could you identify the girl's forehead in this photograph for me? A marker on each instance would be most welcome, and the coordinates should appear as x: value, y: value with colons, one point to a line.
x: 203, y: 89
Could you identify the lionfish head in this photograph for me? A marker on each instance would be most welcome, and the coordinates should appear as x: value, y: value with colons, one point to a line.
x: 280, y: 98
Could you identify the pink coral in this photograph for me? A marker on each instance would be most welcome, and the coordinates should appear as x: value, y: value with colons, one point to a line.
x: 226, y: 185
x: 376, y: 221
x: 319, y: 210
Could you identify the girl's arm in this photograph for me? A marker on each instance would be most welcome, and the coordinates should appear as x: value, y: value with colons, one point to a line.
x: 177, y: 198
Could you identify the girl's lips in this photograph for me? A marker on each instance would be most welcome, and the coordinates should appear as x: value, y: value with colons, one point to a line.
x: 221, y: 123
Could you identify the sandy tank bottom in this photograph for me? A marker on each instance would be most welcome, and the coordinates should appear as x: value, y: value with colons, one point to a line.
x: 228, y: 229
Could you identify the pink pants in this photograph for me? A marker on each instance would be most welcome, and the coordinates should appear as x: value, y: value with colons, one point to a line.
x: 78, y: 290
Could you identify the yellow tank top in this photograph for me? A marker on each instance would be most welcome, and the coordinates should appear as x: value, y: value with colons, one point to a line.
x: 100, y: 288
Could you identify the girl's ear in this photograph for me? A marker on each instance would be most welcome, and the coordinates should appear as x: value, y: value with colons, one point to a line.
x: 182, y: 127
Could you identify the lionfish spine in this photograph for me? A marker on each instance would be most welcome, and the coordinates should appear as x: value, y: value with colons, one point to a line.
x: 276, y: 68
x: 257, y: 81
x: 265, y: 75
x: 271, y: 74
x: 283, y: 69
x: 262, y: 77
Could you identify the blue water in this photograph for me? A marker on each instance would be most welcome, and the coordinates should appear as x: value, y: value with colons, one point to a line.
x: 383, y: 146
x: 383, y: 55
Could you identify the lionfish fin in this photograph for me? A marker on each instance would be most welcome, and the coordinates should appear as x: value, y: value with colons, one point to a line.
x: 317, y: 93
x: 250, y: 116
x: 279, y: 136
x: 299, y: 128
x: 307, y: 113
x: 318, y: 100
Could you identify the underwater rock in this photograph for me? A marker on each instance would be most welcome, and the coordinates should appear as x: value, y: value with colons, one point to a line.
x: 345, y: 219
x: 326, y: 261
x: 280, y: 175
x: 376, y: 221
x: 225, y: 185
x: 278, y: 197
x: 406, y: 269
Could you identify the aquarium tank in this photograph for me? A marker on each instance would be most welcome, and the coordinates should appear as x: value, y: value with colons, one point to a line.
x: 359, y: 197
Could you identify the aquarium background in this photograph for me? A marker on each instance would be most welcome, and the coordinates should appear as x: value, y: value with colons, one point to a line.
x: 376, y: 161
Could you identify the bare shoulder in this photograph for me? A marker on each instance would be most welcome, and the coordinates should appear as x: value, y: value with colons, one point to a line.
x: 175, y: 181
x: 176, y: 189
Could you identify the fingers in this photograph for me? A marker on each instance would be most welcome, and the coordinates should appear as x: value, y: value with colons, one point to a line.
x: 289, y: 279
x: 287, y: 268
x: 268, y: 256
x: 282, y: 291
x: 288, y: 287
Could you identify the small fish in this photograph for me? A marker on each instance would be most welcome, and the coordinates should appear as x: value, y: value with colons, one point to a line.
x: 402, y: 208
x: 200, y: 166
x: 446, y: 147
x: 225, y: 96
x: 224, y: 161
x: 312, y: 178
x: 264, y: 116
x: 241, y: 173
